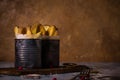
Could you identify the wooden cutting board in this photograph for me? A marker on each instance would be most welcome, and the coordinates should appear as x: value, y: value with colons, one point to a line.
x: 62, y: 69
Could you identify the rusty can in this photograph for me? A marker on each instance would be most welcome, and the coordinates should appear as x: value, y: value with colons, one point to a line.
x: 27, y: 53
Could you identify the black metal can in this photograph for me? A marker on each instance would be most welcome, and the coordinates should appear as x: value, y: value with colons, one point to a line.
x: 50, y: 53
x: 27, y: 53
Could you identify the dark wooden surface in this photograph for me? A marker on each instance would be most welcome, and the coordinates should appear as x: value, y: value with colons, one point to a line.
x: 100, y: 71
x: 61, y: 69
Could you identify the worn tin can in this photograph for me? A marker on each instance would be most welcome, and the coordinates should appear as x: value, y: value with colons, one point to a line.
x: 50, y: 53
x: 27, y: 53
x: 37, y: 53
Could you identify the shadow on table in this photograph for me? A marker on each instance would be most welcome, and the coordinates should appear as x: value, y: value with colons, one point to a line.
x: 109, y: 78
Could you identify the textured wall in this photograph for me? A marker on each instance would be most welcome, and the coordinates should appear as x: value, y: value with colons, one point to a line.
x: 89, y: 29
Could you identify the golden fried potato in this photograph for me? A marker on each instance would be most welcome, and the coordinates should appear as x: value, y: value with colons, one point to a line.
x: 35, y: 28
x: 51, y: 30
x: 20, y: 30
x: 55, y: 33
x: 42, y: 30
x: 37, y: 35
x: 46, y: 28
x: 16, y: 30
x: 28, y: 31
x: 36, y: 31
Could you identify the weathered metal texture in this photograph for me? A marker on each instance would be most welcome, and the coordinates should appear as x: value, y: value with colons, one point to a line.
x: 27, y: 53
x: 50, y: 53
x: 37, y: 53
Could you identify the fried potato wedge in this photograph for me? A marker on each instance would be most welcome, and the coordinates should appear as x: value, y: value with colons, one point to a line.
x: 28, y: 31
x: 37, y: 35
x: 16, y: 30
x: 51, y: 30
x: 46, y: 28
x: 55, y: 33
x: 42, y: 30
x: 35, y: 28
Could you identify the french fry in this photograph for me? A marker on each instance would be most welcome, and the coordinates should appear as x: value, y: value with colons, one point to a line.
x: 46, y: 28
x: 16, y: 30
x: 20, y: 30
x: 28, y: 31
x: 36, y: 31
x: 37, y: 35
x: 51, y: 30
x: 55, y: 33
x: 42, y: 30
x: 34, y: 28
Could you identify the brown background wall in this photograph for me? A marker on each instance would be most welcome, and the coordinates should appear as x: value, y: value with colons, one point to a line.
x: 89, y: 29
